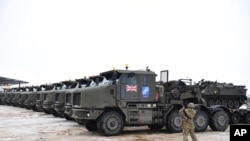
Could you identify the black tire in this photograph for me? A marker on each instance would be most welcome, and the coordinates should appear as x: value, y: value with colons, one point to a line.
x: 67, y: 117
x: 219, y: 121
x: 247, y: 118
x: 91, y: 126
x: 54, y: 113
x: 201, y: 121
x: 110, y: 123
x: 34, y: 108
x: 46, y: 111
x: 155, y: 127
x: 174, y: 122
x: 80, y: 122
x: 39, y: 109
x: 235, y: 118
x: 60, y: 114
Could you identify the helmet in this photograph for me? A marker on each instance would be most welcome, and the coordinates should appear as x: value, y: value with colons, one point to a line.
x: 190, y: 105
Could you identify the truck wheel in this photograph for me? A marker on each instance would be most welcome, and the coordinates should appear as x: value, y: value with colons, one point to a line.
x: 247, y: 118
x: 200, y: 121
x: 219, y: 121
x: 68, y: 117
x: 79, y: 121
x: 110, y: 123
x: 155, y: 127
x: 46, y: 111
x: 91, y: 126
x: 174, y: 122
x: 235, y: 118
x: 34, y: 108
x: 54, y: 113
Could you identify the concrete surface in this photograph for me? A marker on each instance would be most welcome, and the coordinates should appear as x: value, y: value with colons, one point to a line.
x: 19, y: 124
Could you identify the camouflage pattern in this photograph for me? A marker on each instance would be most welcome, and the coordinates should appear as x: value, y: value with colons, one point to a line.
x: 187, y: 115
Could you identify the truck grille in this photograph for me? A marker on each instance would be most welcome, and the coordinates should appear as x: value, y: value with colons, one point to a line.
x: 57, y: 96
x: 68, y: 98
x: 76, y: 99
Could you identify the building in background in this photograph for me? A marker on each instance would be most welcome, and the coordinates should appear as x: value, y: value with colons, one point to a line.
x: 5, y: 82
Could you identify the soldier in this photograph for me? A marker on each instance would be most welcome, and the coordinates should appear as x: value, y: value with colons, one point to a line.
x: 187, y: 115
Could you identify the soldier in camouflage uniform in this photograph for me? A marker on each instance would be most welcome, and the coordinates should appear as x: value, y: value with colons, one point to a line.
x: 187, y: 115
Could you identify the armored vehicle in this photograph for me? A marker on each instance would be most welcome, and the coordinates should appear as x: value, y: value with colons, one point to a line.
x: 225, y: 94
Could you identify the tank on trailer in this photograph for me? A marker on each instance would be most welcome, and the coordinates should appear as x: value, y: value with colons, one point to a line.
x: 227, y: 94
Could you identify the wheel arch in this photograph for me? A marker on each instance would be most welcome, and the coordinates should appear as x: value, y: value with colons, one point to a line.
x: 116, y: 109
x: 216, y: 108
x: 203, y: 108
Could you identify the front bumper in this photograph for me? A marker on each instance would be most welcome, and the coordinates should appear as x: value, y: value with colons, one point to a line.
x: 86, y: 114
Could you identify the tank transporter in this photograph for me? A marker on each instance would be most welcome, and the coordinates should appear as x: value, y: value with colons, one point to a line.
x: 60, y: 95
x: 41, y: 96
x: 30, y: 102
x: 49, y: 98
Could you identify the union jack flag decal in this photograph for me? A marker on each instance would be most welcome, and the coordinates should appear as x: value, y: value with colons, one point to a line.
x: 131, y: 88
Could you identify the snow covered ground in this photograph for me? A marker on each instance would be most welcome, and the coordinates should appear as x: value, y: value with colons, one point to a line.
x: 19, y: 124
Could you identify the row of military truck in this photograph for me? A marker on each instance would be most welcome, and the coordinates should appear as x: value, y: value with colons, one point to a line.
x: 116, y: 98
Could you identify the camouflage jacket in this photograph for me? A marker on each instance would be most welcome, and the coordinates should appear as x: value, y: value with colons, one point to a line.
x: 187, y: 116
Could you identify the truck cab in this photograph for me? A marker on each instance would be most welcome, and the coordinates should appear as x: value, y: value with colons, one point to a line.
x: 125, y: 97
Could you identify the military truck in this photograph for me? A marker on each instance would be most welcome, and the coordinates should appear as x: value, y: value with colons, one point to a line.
x: 30, y: 102
x: 41, y: 96
x: 24, y: 96
x: 49, y: 98
x: 68, y: 100
x: 1, y: 95
x: 10, y: 96
x: 5, y: 97
x: 59, y: 103
x: 17, y: 96
x: 74, y: 89
x: 134, y: 98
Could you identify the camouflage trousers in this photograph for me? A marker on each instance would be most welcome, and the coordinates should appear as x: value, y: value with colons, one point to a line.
x: 187, y: 131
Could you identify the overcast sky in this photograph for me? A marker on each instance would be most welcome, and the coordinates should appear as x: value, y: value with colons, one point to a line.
x: 48, y: 41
